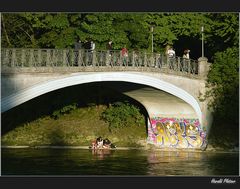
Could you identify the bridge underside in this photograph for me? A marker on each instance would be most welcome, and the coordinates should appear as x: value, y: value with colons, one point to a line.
x: 172, y: 122
x: 175, y: 117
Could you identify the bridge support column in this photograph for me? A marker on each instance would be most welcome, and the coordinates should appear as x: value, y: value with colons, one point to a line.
x: 203, y: 66
x: 176, y: 133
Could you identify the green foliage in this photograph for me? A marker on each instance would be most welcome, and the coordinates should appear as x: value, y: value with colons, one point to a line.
x: 65, y: 110
x: 60, y: 30
x: 78, y: 128
x: 223, y: 80
x: 122, y: 114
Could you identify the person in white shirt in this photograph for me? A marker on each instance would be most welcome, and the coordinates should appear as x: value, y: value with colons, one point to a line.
x: 92, y: 46
x: 186, y: 54
x: 171, y: 57
x: 171, y: 53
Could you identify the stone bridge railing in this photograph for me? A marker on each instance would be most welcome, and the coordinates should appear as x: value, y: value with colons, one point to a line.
x: 104, y: 60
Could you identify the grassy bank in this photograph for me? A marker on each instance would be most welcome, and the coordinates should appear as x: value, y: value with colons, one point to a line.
x: 78, y: 128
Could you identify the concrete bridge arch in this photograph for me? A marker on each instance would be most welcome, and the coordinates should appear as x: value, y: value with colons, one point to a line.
x: 177, y: 95
x: 29, y: 93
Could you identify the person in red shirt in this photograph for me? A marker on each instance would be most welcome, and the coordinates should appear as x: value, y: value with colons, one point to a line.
x: 124, y: 53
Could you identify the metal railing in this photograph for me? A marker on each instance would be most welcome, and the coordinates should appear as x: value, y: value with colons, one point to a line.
x: 15, y: 57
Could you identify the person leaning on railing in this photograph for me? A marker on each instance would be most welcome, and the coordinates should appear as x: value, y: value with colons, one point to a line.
x: 77, y: 47
x: 171, y: 57
x: 124, y: 54
x: 186, y: 59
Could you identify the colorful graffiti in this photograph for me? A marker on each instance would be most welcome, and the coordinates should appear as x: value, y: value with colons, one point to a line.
x: 176, y: 133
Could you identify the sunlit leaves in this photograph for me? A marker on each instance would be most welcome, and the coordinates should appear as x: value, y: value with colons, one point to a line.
x: 130, y: 29
x: 224, y: 77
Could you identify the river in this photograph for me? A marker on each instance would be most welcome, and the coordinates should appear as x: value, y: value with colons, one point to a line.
x: 30, y: 161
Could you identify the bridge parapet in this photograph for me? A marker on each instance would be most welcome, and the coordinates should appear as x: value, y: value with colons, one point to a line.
x: 69, y: 60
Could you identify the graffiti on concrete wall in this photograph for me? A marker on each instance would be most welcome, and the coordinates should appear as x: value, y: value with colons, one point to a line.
x: 176, y: 133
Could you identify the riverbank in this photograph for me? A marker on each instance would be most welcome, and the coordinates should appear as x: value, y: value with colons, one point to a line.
x: 77, y: 130
x: 147, y: 147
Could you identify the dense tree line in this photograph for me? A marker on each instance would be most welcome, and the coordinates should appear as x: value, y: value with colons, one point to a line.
x: 182, y: 30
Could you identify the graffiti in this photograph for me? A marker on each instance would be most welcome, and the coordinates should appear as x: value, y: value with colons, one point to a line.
x: 176, y: 133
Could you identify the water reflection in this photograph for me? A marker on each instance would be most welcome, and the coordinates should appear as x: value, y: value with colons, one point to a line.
x: 117, y: 162
x: 101, y: 153
x: 189, y: 163
x: 173, y: 156
x: 176, y: 163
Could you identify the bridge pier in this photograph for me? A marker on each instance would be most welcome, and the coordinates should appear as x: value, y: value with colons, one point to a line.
x: 182, y: 133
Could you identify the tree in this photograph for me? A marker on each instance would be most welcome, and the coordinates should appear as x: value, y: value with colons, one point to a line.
x: 223, y: 79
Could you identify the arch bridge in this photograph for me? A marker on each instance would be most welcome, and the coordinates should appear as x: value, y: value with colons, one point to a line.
x: 171, y: 87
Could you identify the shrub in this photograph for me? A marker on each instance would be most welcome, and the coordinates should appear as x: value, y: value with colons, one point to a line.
x: 122, y: 114
x: 65, y: 110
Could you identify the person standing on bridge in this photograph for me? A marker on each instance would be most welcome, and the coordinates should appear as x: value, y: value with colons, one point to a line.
x: 109, y: 47
x: 171, y: 57
x: 186, y: 54
x: 124, y: 54
x: 186, y: 59
x: 92, y: 46
x: 77, y: 47
x: 109, y: 52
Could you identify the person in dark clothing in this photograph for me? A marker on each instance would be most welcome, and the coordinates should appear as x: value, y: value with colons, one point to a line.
x: 108, y: 144
x: 109, y: 52
x: 87, y: 45
x: 77, y: 47
x: 109, y: 45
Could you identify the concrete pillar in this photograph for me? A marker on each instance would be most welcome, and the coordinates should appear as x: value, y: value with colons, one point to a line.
x: 203, y: 67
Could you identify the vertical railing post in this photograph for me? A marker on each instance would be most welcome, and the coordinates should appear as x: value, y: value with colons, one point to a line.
x: 167, y: 63
x: 161, y: 61
x: 133, y: 59
x: 39, y: 58
x: 23, y: 57
x: 94, y: 58
x: 156, y: 60
x: 72, y: 57
x: 31, y: 58
x: 6, y: 59
x: 151, y: 60
x: 195, y: 67
x: 86, y: 57
x: 145, y: 59
x: 178, y: 64
x: 107, y: 59
x: 13, y: 57
x: 189, y: 66
x: 54, y: 61
x: 64, y: 61
x: 48, y: 58
x: 121, y: 59
x: 79, y: 58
